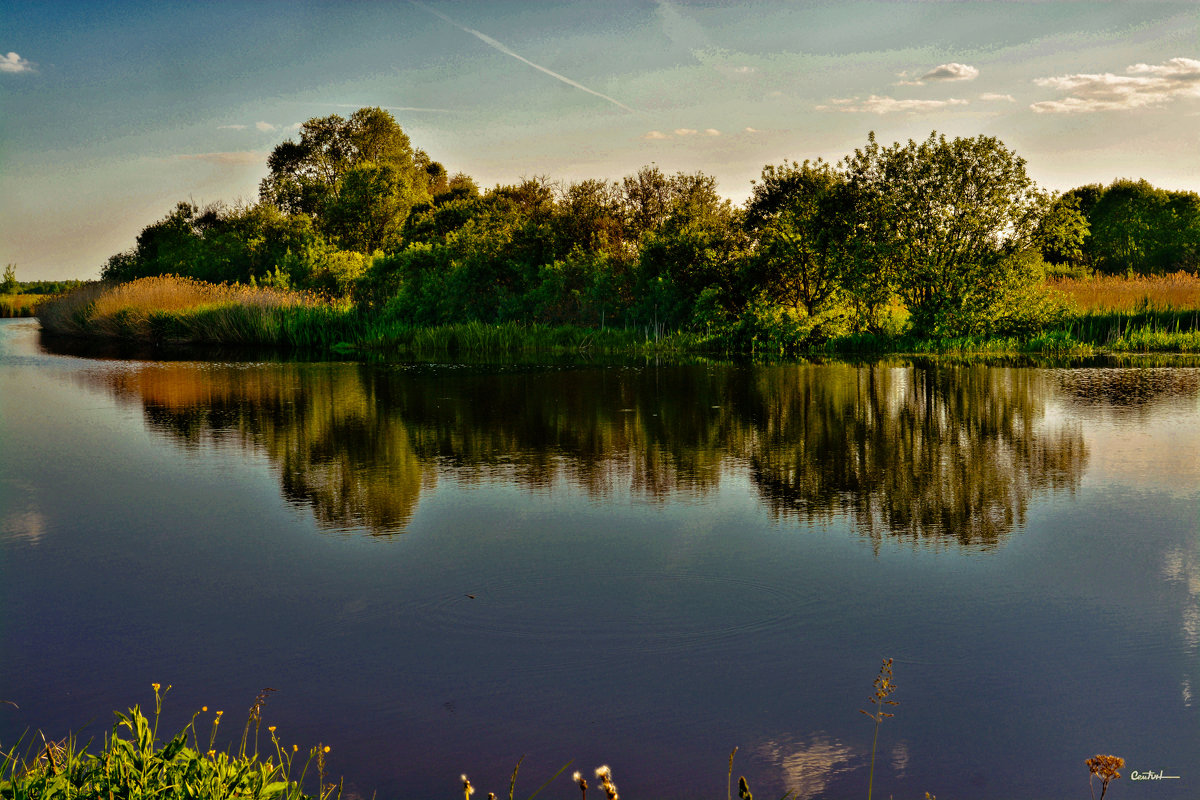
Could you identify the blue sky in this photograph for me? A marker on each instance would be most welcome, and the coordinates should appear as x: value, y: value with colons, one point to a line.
x: 110, y: 113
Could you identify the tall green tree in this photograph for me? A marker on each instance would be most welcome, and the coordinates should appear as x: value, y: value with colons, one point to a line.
x: 796, y: 213
x: 952, y: 219
x: 357, y: 177
x: 1139, y: 228
x: 9, y: 284
x: 1062, y: 231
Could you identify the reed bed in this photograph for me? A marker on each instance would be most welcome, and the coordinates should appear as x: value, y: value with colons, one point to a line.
x: 1108, y: 293
x: 20, y: 305
x: 1158, y: 314
x: 171, y: 309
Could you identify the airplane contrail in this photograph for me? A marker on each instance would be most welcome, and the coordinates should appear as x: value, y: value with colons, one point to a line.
x: 483, y: 37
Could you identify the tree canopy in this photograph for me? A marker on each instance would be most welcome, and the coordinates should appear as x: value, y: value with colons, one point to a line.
x: 942, y: 237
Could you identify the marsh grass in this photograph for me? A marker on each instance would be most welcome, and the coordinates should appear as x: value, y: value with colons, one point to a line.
x: 20, y: 305
x: 1114, y: 314
x: 1109, y: 293
x: 171, y: 309
x: 133, y: 763
x: 174, y: 310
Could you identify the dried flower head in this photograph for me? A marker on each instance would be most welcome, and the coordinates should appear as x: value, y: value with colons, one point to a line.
x: 606, y: 782
x: 468, y: 789
x: 1105, y: 768
x: 155, y: 686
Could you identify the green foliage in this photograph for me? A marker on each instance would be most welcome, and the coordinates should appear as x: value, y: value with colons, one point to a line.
x: 370, y: 206
x: 944, y: 219
x: 1138, y: 228
x: 9, y: 285
x: 237, y: 245
x: 1061, y: 232
x: 937, y: 240
x: 134, y: 764
x: 797, y: 211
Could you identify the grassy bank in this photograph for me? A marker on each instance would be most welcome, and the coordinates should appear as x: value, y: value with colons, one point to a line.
x: 1131, y: 315
x: 174, y: 310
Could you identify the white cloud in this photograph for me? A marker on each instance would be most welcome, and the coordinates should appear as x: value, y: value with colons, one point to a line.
x: 654, y: 135
x: 239, y: 158
x: 686, y: 131
x: 1142, y: 85
x: 1007, y: 98
x: 943, y: 73
x: 11, y: 62
x: 888, y: 105
x: 712, y: 132
x: 264, y: 127
x: 751, y: 130
x: 951, y: 72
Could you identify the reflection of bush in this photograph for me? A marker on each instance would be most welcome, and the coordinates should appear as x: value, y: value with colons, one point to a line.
x: 315, y: 423
x: 952, y: 453
x: 949, y: 452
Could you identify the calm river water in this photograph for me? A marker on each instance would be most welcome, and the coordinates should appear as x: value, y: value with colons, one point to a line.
x: 442, y: 568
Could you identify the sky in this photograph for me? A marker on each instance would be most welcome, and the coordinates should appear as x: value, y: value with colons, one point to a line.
x: 112, y: 112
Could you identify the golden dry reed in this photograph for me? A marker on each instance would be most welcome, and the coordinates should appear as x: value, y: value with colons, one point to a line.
x: 1179, y: 291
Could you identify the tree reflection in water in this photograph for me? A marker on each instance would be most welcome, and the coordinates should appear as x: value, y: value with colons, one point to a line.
x: 948, y: 454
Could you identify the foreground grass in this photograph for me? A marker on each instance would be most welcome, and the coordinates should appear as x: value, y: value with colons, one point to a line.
x: 163, y: 310
x: 133, y: 763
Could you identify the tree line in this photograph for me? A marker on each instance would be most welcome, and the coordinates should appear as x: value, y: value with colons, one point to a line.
x: 943, y: 237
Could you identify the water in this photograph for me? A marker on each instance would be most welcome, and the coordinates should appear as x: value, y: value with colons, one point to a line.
x: 444, y: 568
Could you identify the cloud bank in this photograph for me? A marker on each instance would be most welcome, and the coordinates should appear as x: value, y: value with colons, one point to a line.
x: 11, y: 62
x: 1143, y: 85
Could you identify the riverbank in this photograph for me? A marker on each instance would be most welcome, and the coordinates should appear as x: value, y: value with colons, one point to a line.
x: 171, y: 310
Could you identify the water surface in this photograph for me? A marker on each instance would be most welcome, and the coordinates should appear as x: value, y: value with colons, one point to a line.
x: 442, y: 568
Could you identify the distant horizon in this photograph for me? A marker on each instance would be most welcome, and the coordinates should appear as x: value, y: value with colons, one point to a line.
x: 114, y: 114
